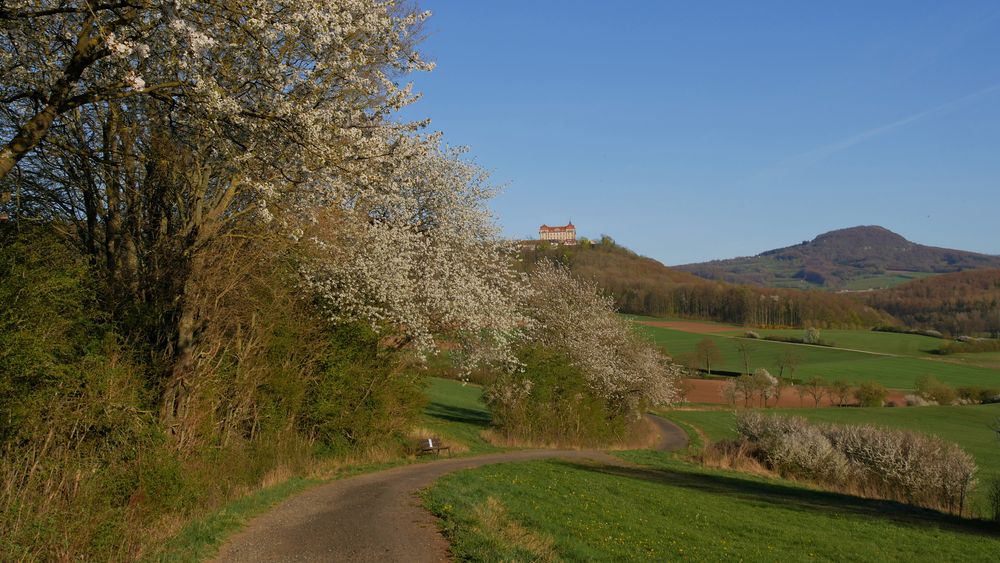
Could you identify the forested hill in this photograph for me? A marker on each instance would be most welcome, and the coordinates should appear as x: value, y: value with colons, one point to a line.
x: 856, y: 258
x: 644, y: 286
x: 964, y: 303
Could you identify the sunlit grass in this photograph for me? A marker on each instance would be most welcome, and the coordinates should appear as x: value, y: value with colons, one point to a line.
x: 670, y: 510
x: 899, y: 372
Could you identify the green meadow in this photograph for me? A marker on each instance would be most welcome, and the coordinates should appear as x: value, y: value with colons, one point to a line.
x: 457, y: 413
x: 893, y: 343
x: 664, y: 509
x: 894, y: 360
x: 882, y: 281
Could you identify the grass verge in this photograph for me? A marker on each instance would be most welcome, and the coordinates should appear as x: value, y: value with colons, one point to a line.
x: 201, y: 538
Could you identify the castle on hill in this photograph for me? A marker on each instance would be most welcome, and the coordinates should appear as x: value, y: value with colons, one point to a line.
x: 565, y: 234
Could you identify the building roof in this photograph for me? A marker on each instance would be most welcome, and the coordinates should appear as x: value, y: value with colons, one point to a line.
x: 558, y: 229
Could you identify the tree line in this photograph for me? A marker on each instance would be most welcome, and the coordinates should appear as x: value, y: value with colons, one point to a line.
x: 963, y: 303
x: 643, y: 286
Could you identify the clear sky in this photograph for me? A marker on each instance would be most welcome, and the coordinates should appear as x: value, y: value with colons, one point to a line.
x: 691, y: 131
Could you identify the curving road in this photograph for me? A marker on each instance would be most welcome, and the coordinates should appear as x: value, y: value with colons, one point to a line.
x: 377, y: 516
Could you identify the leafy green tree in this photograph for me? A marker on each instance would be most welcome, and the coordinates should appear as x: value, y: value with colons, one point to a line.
x: 871, y: 394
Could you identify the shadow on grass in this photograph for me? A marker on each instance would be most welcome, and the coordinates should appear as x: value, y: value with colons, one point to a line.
x: 795, y: 498
x: 452, y: 413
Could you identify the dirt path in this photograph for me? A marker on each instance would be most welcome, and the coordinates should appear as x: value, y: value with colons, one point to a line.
x: 672, y: 437
x: 378, y: 517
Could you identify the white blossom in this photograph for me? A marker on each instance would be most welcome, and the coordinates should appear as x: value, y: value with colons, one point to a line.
x: 135, y: 81
x: 309, y: 85
x: 572, y: 315
x: 410, y: 247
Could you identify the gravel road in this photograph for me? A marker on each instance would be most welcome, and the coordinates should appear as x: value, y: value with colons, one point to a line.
x: 377, y: 516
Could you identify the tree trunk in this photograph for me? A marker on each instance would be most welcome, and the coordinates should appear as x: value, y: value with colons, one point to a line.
x: 176, y: 390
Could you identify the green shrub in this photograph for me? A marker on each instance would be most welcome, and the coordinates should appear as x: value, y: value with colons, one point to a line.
x: 993, y: 500
x: 871, y: 394
x: 358, y: 399
x: 549, y: 402
x: 46, y: 317
x: 88, y: 471
x: 931, y: 389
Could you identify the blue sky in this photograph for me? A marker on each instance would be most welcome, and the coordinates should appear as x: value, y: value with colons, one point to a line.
x: 691, y: 131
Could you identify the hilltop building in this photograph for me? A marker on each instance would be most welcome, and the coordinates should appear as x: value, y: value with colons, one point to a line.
x: 565, y: 234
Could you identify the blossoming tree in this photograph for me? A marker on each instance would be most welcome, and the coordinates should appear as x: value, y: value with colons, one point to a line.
x: 571, y: 315
x: 308, y: 81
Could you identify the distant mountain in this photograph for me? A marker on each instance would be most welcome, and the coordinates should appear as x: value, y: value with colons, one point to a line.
x: 857, y: 258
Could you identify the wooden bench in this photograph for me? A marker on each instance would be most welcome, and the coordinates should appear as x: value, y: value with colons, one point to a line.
x: 432, y: 445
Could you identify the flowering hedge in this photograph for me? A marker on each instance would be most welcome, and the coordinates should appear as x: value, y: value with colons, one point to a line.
x: 901, y: 465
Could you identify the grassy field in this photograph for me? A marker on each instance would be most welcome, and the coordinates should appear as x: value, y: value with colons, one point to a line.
x: 886, y: 280
x: 892, y: 343
x: 899, y: 370
x: 667, y: 509
x: 968, y: 426
x: 457, y: 413
x: 986, y: 359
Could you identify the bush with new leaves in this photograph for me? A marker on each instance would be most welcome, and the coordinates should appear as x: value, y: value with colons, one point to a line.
x: 871, y: 394
x: 930, y: 389
x: 549, y: 402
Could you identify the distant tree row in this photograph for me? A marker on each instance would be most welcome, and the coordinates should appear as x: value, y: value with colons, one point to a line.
x: 643, y: 286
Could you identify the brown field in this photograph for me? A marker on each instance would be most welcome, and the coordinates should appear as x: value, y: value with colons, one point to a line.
x: 691, y: 326
x: 710, y: 391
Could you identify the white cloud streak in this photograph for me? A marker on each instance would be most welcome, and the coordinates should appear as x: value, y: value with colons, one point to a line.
x: 810, y: 158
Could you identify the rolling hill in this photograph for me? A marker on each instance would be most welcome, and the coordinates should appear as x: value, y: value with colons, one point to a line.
x: 644, y: 286
x: 963, y: 303
x: 858, y: 258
